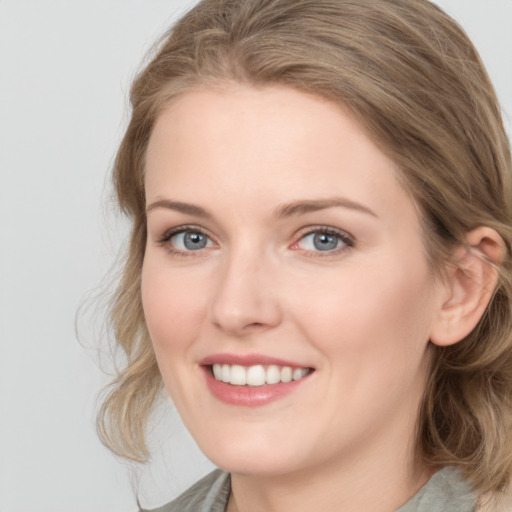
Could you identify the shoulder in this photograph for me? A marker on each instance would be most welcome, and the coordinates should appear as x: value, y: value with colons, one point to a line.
x: 210, y: 494
x: 446, y: 490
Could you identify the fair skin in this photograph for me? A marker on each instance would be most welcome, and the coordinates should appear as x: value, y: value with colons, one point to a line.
x: 278, y: 235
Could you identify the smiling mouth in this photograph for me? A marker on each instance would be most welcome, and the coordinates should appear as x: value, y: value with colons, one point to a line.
x: 257, y: 375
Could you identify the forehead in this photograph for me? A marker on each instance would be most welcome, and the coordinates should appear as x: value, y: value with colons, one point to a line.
x: 252, y: 145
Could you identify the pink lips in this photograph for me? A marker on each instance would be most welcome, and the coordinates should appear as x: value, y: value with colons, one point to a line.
x: 248, y: 396
x: 246, y: 360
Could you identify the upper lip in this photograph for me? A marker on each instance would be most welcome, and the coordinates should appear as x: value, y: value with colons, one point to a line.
x: 248, y: 360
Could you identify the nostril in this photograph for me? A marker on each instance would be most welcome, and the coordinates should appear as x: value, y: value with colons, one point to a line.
x: 255, y: 325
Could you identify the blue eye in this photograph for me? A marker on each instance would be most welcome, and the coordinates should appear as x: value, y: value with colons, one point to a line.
x: 323, y: 241
x: 190, y: 241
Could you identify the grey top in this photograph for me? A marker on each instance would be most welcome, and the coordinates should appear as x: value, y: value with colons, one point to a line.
x: 446, y: 491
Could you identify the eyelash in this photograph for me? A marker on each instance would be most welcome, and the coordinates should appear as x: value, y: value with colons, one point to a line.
x: 346, y: 239
x: 165, y: 239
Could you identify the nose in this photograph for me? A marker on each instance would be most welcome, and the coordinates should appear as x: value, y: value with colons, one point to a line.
x: 245, y: 300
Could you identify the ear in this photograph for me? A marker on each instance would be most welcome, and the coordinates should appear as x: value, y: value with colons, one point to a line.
x: 469, y: 286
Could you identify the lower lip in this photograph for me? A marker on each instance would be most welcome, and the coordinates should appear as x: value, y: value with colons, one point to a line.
x: 250, y: 396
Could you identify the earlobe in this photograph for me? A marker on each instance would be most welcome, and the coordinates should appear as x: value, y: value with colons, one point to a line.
x: 469, y: 285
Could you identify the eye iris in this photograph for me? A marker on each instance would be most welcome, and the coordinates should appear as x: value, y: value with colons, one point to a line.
x: 194, y: 241
x: 325, y: 242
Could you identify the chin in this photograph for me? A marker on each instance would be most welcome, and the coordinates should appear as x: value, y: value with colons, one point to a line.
x: 247, y: 456
x: 253, y: 464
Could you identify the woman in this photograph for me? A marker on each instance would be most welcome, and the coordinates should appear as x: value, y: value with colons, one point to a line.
x: 319, y: 271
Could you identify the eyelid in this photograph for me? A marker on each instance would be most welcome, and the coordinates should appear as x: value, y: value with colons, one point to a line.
x: 164, y: 239
x: 347, y: 239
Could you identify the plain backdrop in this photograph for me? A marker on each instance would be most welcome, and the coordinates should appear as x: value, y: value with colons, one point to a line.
x: 65, y: 69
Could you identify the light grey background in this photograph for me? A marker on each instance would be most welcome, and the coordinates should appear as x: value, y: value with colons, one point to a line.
x: 65, y: 68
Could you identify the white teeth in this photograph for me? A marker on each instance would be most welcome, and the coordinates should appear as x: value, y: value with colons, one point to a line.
x: 286, y: 374
x: 226, y: 373
x: 273, y: 374
x: 238, y: 375
x: 256, y: 375
x: 298, y: 373
x: 217, y: 371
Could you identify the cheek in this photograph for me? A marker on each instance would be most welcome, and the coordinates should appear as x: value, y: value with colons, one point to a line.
x: 372, y: 319
x: 373, y: 334
x: 173, y: 308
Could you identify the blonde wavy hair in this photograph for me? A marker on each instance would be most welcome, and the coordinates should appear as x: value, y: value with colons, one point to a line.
x: 411, y: 76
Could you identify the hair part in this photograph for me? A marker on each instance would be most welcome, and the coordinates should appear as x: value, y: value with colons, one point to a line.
x: 411, y: 77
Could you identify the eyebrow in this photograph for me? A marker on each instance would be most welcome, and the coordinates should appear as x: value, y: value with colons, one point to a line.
x: 308, y: 206
x: 287, y: 210
x: 187, y: 208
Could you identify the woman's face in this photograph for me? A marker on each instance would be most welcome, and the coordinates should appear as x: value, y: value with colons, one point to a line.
x: 281, y: 246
